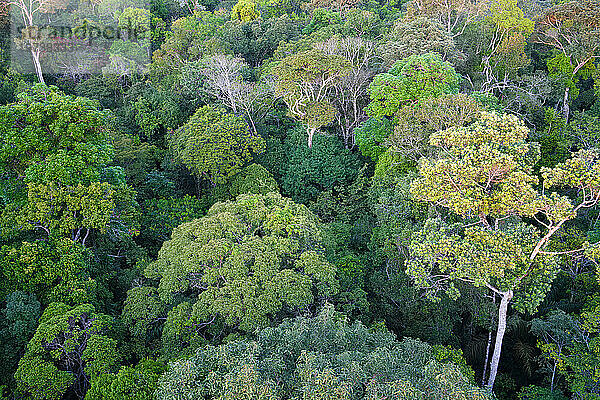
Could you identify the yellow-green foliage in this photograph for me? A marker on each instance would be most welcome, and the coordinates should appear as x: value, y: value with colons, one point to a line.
x: 245, y: 11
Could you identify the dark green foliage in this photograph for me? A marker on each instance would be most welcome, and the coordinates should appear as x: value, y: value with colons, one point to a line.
x: 317, y: 358
x: 321, y: 18
x: 371, y: 135
x: 68, y: 350
x: 156, y: 113
x: 161, y: 216
x: 305, y: 172
x: 258, y: 39
x: 540, y: 393
x: 553, y: 139
x: 18, y: 322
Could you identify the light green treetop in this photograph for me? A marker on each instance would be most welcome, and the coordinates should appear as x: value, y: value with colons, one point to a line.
x: 409, y: 80
x: 245, y: 261
x: 215, y: 144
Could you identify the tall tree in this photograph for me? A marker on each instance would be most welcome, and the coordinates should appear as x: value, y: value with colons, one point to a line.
x: 350, y: 92
x: 54, y: 150
x: 453, y: 15
x: 305, y: 81
x: 241, y: 265
x: 69, y: 349
x: 30, y: 11
x: 572, y: 28
x: 485, y: 175
x: 224, y: 80
x: 507, y: 30
x: 409, y: 80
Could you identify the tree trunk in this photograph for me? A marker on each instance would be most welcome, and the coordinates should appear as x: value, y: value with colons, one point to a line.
x: 35, y: 55
x: 565, y: 107
x: 311, y: 133
x: 505, y: 298
x: 487, y: 358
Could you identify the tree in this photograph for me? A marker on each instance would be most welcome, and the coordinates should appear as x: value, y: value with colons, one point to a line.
x: 215, y: 144
x: 305, y: 82
x: 54, y: 151
x: 30, y: 12
x: 161, y: 216
x: 554, y: 333
x: 572, y: 29
x: 56, y: 271
x: 68, y: 350
x: 136, y: 383
x: 320, y: 358
x: 416, y: 36
x: 485, y: 175
x: 507, y: 29
x: 224, y: 80
x: 48, y: 136
x: 350, y: 92
x: 454, y: 16
x: 414, y: 123
x: 252, y: 179
x: 18, y: 321
x: 241, y: 265
x: 256, y: 40
x: 371, y: 137
x: 189, y: 39
x: 409, y: 80
x: 305, y: 172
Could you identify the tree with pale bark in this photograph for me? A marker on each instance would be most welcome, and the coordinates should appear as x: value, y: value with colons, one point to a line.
x: 573, y: 29
x: 30, y: 11
x: 306, y: 82
x: 224, y: 80
x: 484, y: 175
x: 453, y: 15
x: 350, y: 92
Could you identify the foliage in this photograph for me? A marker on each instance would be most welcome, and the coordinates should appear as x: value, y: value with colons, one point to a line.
x: 324, y: 357
x: 416, y: 37
x: 137, y: 383
x: 188, y: 40
x: 161, y: 216
x: 538, y: 393
x: 49, y: 136
x: 18, y: 322
x: 245, y: 11
x: 304, y: 81
x: 155, y: 113
x: 56, y: 271
x: 245, y: 261
x: 215, y: 144
x: 409, y: 80
x: 414, y: 123
x: 252, y: 179
x: 66, y: 339
x: 307, y: 171
x: 371, y: 135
